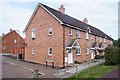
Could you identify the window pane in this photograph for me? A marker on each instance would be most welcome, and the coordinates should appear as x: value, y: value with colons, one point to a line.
x: 50, y: 51
x: 33, y: 33
x: 78, y: 51
x: 78, y: 33
x: 50, y: 30
x: 70, y: 51
x: 70, y: 31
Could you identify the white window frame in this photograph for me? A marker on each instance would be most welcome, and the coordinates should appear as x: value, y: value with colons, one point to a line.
x: 15, y: 41
x: 79, y: 51
x: 70, y: 31
x: 33, y: 50
x: 78, y: 33
x: 100, y: 39
x: 87, y: 35
x: 49, y: 51
x: 50, y: 31
x: 33, y: 33
x: 87, y: 50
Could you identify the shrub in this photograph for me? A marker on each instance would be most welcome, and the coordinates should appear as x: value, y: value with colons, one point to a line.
x: 112, y: 56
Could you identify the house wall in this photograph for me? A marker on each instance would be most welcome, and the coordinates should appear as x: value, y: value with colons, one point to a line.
x: 10, y: 42
x: 84, y: 43
x: 41, y: 22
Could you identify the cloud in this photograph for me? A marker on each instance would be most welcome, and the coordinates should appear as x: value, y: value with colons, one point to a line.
x: 14, y: 17
x: 101, y: 13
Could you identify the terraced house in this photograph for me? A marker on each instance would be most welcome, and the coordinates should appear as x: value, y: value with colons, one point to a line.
x: 53, y: 35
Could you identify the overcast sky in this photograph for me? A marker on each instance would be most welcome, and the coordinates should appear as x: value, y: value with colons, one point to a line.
x: 101, y: 14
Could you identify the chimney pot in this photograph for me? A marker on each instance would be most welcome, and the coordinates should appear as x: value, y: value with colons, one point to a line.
x: 61, y: 9
x: 3, y: 34
x: 10, y: 29
x: 85, y: 20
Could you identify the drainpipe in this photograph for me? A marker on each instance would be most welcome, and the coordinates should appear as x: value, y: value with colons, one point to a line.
x: 63, y: 46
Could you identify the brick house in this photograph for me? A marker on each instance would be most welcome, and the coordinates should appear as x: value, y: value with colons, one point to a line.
x: 53, y: 35
x: 13, y: 43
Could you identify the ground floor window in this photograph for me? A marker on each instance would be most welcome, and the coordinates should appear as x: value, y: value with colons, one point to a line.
x: 87, y: 50
x: 78, y: 51
x: 33, y: 50
x: 50, y: 51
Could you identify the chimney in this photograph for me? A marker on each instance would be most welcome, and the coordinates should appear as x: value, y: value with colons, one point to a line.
x: 10, y: 29
x: 61, y: 9
x: 85, y: 20
x: 3, y: 34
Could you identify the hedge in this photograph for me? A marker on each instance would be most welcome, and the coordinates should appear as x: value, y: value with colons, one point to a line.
x: 112, y: 56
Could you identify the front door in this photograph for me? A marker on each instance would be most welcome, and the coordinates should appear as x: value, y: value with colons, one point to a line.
x: 92, y: 54
x: 70, y: 56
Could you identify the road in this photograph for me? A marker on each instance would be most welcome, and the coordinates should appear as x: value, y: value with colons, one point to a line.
x: 10, y: 70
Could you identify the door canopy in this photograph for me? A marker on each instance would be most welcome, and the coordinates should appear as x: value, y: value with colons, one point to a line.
x: 72, y: 43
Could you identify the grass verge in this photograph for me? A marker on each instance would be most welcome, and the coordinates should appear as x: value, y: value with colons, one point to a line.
x: 93, y: 72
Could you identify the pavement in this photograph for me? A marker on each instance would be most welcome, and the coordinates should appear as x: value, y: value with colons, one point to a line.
x: 45, y: 72
x: 113, y: 75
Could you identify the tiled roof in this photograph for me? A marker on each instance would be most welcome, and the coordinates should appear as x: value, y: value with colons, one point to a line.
x: 70, y: 42
x: 66, y: 19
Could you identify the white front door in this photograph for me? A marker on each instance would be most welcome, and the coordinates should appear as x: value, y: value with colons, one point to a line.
x: 70, y: 56
x: 92, y: 54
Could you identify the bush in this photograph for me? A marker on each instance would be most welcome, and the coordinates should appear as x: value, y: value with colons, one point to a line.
x: 112, y: 56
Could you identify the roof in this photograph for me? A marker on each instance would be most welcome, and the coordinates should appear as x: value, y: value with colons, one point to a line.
x: 5, y: 35
x: 66, y: 19
x: 70, y: 21
x: 70, y: 42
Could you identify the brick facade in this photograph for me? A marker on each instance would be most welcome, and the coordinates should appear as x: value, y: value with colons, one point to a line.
x: 41, y: 21
x: 10, y: 43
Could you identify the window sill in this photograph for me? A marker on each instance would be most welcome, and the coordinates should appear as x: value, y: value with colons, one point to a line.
x: 78, y: 54
x: 50, y: 34
x: 87, y: 53
x: 49, y: 55
x: 78, y: 37
x: 33, y: 53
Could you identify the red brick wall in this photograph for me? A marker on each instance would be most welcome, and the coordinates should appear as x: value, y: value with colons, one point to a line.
x: 41, y: 22
x: 10, y: 42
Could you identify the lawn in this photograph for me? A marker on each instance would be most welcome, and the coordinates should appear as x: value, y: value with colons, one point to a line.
x: 93, y: 72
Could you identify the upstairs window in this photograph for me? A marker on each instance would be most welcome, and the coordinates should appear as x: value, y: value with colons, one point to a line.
x: 70, y: 31
x: 87, y: 35
x: 15, y: 41
x: 4, y: 41
x: 100, y: 39
x: 33, y: 34
x: 78, y: 51
x: 33, y: 50
x: 50, y: 31
x: 104, y: 40
x: 87, y: 50
x: 50, y: 51
x: 77, y: 33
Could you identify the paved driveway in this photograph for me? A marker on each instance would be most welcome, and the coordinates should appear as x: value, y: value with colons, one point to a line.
x: 12, y: 71
x: 23, y: 69
x: 13, y: 68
